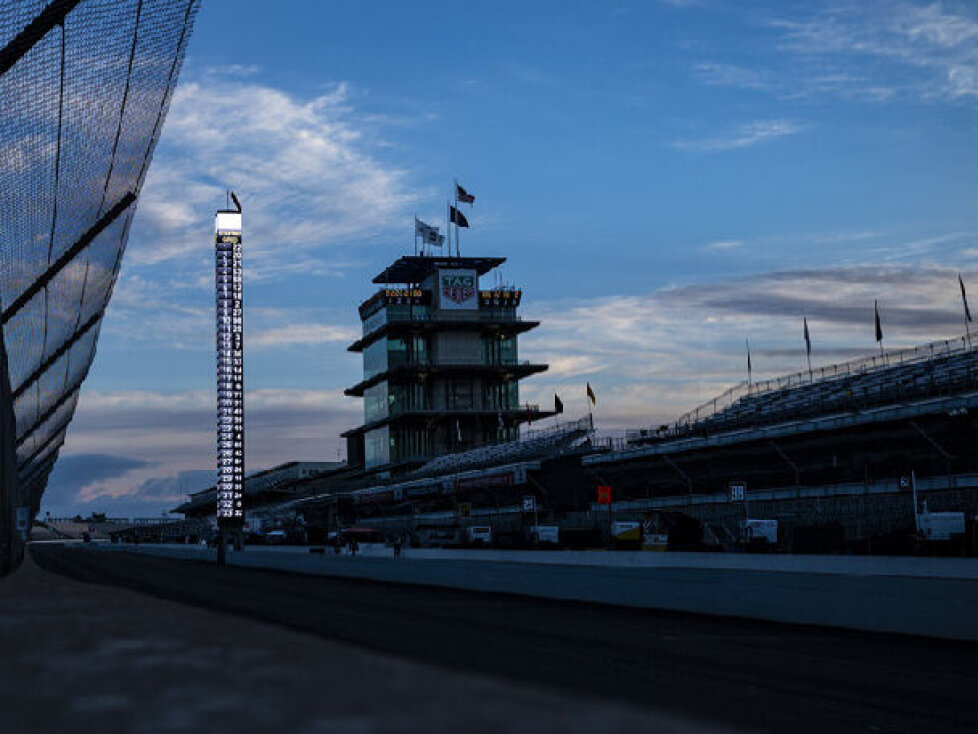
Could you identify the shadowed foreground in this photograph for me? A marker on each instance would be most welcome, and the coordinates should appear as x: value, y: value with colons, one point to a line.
x: 734, y: 672
x: 77, y: 657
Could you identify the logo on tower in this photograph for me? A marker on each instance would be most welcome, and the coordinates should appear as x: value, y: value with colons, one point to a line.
x: 459, y: 289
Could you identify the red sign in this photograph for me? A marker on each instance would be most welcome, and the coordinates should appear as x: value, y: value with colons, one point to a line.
x: 604, y: 494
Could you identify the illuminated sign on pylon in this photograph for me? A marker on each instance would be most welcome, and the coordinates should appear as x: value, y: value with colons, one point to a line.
x: 230, y: 368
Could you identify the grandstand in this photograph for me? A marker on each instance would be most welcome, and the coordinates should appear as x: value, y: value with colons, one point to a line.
x: 825, y: 449
x: 262, y: 487
x: 942, y: 368
x: 531, y: 445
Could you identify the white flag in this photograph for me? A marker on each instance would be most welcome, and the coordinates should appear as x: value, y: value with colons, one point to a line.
x: 428, y: 234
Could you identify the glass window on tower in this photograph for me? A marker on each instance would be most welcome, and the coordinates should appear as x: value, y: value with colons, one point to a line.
x: 398, y: 351
x: 376, y: 447
x: 499, y: 349
x: 375, y: 402
x: 375, y: 359
x: 460, y: 395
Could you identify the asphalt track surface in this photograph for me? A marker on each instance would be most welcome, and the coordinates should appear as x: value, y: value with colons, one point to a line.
x: 734, y: 672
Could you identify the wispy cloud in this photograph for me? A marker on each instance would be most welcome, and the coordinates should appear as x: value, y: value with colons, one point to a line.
x: 153, y: 312
x: 732, y: 75
x: 302, y: 167
x: 295, y: 334
x: 871, y: 52
x: 723, y: 245
x: 744, y: 136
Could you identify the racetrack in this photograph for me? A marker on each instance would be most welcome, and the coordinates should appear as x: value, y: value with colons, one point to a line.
x: 755, y: 675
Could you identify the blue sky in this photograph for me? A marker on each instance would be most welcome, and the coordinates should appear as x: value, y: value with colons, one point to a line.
x: 668, y: 179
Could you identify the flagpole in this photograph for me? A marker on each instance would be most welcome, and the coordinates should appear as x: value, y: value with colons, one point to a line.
x: 458, y: 251
x: 808, y: 351
x: 747, y: 341
x: 879, y: 331
x: 967, y: 311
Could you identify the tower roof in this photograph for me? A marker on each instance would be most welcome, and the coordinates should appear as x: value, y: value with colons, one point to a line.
x: 415, y: 268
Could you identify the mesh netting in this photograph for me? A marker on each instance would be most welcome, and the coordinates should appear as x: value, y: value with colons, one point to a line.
x: 83, y: 97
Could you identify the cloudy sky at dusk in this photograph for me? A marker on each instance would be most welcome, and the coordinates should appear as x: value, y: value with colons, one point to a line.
x: 667, y: 179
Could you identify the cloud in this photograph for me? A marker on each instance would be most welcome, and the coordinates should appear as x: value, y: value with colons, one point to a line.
x: 723, y: 245
x: 72, y: 473
x: 161, y: 439
x: 232, y: 70
x: 901, y: 50
x: 177, y: 315
x: 746, y: 135
x: 153, y: 497
x: 172, y: 489
x: 655, y: 356
x: 301, y: 334
x: 731, y: 75
x: 302, y: 168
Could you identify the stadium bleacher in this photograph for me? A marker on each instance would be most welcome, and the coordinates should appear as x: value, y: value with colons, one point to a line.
x: 948, y: 367
x: 551, y: 441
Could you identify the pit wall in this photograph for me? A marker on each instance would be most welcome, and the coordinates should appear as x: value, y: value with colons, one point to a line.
x: 853, y: 522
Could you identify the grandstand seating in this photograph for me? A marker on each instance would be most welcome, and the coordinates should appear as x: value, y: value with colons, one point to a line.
x: 530, y: 446
x: 934, y: 370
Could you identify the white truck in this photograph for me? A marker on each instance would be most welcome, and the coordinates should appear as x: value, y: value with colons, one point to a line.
x: 939, y: 525
x: 478, y: 535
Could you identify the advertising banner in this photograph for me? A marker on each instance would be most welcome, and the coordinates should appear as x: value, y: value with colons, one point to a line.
x: 458, y: 290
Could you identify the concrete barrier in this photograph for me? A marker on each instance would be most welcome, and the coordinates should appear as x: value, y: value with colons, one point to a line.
x: 919, y: 596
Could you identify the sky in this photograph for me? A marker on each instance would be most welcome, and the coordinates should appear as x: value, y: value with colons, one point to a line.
x: 668, y: 179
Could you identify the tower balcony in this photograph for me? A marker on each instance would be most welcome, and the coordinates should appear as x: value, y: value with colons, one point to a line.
x: 503, y: 371
x: 427, y: 417
x: 421, y: 321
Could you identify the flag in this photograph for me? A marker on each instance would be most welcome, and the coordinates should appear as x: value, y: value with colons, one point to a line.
x: 463, y: 196
x: 964, y: 298
x: 428, y: 234
x: 558, y: 404
x: 458, y: 432
x: 879, y: 328
x: 748, y: 359
x: 457, y: 217
x: 808, y: 339
x: 590, y: 394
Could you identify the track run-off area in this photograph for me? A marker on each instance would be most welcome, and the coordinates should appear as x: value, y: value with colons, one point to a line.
x: 719, y: 670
